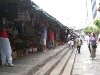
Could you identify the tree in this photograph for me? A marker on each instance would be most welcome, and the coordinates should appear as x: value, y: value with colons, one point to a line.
x: 97, y: 23
x: 87, y: 30
x: 90, y: 29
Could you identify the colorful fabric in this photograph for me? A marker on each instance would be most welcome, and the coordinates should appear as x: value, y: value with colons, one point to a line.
x: 51, y: 35
x: 4, y: 34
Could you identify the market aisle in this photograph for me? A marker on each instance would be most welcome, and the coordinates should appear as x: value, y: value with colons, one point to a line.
x: 30, y: 63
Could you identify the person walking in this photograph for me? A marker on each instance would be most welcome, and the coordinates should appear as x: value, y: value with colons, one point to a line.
x: 72, y: 39
x: 78, y: 44
x: 88, y: 43
x: 5, y: 48
x: 93, y: 45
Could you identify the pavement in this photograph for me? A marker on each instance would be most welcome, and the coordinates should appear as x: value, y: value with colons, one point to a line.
x: 84, y: 65
x: 24, y: 65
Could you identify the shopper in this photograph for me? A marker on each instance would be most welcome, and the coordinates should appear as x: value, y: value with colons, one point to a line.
x: 93, y: 45
x: 78, y: 44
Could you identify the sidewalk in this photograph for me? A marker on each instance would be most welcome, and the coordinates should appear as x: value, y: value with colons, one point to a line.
x: 25, y: 64
x: 84, y: 65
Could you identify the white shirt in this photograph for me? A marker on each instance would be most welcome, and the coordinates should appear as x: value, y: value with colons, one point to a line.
x: 79, y: 42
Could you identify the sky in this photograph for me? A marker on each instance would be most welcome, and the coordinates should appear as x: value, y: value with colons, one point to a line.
x: 71, y: 13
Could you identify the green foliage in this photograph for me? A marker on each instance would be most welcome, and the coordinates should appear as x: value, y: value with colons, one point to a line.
x: 95, y: 27
x: 87, y: 30
x: 97, y: 23
x: 90, y: 29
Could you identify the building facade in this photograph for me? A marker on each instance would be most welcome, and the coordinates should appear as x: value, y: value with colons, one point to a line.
x: 94, y: 8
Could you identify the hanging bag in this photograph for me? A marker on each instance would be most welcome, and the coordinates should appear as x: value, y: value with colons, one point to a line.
x: 94, y: 46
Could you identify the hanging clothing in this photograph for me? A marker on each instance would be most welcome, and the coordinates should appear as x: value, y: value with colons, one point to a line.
x: 51, y: 35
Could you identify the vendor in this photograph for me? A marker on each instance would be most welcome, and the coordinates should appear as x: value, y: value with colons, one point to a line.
x: 5, y: 48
